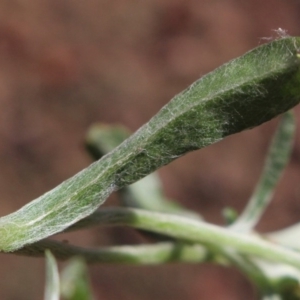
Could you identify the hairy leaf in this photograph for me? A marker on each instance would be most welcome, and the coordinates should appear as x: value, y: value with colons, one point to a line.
x: 75, y: 282
x: 239, y: 95
x: 52, y: 290
x: 146, y: 193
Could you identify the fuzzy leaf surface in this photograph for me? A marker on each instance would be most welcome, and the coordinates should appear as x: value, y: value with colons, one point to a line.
x: 52, y: 290
x: 239, y: 95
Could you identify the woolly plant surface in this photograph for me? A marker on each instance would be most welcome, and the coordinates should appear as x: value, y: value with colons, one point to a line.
x: 239, y: 95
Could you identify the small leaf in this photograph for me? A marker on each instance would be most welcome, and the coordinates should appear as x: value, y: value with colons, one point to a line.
x: 277, y: 159
x: 52, y: 291
x: 74, y: 281
x: 239, y: 95
x: 103, y: 138
x: 286, y: 237
x: 230, y: 215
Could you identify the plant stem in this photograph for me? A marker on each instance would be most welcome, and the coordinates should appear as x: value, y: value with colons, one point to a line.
x: 139, y: 254
x: 277, y: 159
x: 191, y: 231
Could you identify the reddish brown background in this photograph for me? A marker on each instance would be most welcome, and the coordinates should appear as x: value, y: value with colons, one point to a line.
x: 66, y: 64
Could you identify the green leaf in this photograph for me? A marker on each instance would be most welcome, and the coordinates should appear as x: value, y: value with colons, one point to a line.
x: 277, y: 159
x: 52, y: 291
x: 103, y: 138
x: 239, y: 95
x: 74, y: 281
x: 230, y: 215
x: 146, y: 193
x: 286, y: 237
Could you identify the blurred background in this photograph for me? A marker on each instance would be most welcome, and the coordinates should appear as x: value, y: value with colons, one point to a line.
x: 65, y: 64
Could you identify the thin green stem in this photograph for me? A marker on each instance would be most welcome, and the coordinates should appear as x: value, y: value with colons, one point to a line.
x: 277, y: 159
x: 191, y: 231
x: 139, y: 254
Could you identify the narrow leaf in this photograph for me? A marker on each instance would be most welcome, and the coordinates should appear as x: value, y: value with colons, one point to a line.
x: 286, y: 237
x: 277, y: 159
x: 239, y: 95
x: 146, y: 193
x: 52, y: 291
x: 75, y: 282
x: 103, y: 138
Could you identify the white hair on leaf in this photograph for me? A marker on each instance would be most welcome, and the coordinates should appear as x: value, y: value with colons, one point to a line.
x: 282, y: 33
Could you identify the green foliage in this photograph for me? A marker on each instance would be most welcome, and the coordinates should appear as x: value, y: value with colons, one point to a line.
x: 73, y: 284
x: 277, y: 159
x: 52, y: 278
x: 239, y: 95
x: 146, y: 193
